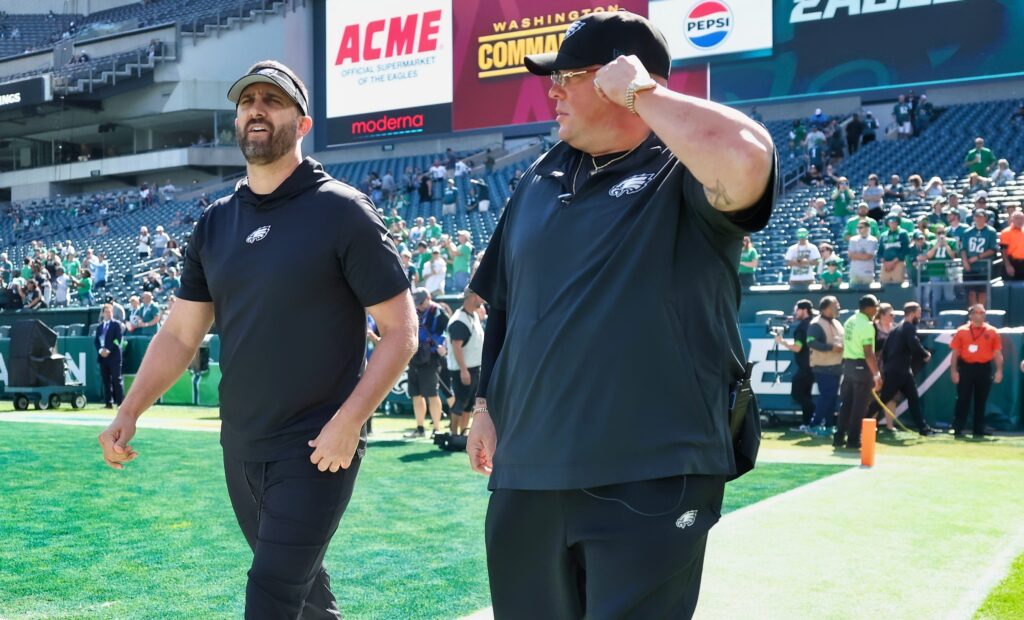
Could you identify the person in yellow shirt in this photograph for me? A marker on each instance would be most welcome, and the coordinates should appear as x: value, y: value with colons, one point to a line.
x: 860, y: 373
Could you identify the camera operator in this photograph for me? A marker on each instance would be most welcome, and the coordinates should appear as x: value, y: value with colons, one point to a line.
x: 803, y: 379
x: 425, y: 365
x: 825, y: 344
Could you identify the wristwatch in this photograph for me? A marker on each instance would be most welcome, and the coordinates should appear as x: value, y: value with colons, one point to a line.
x: 635, y: 87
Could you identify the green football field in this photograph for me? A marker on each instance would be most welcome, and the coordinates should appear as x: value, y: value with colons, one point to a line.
x: 934, y: 527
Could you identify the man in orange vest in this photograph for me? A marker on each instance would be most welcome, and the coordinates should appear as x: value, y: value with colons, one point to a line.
x: 975, y: 346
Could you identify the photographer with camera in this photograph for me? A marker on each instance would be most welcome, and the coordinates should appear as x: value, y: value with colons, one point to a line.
x: 825, y: 344
x: 803, y: 379
x: 424, y: 367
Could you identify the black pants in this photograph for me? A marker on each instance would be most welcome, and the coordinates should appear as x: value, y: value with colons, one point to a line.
x: 590, y: 553
x: 800, y: 390
x: 465, y: 395
x: 288, y: 511
x: 975, y: 383
x: 855, y: 393
x: 1018, y: 268
x: 111, y: 380
x: 894, y: 383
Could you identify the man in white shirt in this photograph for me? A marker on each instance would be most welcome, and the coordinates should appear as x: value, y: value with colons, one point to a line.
x: 801, y: 258
x: 61, y: 288
x: 438, y: 174
x: 466, y: 344
x: 434, y: 272
x: 160, y: 239
x: 862, y: 250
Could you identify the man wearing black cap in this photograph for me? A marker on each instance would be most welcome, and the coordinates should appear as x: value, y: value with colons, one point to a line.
x: 803, y: 378
x: 639, y: 211
x: 292, y: 409
x: 860, y: 373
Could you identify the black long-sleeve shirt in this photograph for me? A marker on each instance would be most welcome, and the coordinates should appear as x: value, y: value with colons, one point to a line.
x: 903, y: 349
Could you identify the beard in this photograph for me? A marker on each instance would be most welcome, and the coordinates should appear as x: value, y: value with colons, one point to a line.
x: 279, y: 142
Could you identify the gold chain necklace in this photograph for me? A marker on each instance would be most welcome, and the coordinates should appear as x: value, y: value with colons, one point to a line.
x: 605, y: 165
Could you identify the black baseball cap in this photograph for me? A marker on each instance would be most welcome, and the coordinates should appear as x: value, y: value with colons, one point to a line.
x: 278, y: 76
x: 600, y: 38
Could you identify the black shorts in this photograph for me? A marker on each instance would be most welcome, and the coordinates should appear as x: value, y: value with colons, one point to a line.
x: 464, y: 394
x: 423, y: 380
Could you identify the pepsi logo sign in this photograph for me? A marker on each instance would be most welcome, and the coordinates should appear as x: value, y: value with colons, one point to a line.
x: 708, y: 24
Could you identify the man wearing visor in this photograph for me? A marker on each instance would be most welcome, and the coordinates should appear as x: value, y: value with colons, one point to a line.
x: 639, y: 211
x: 292, y: 409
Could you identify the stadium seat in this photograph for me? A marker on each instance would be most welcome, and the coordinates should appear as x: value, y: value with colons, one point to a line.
x: 951, y: 319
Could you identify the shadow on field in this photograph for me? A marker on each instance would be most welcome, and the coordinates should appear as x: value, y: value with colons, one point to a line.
x: 425, y: 456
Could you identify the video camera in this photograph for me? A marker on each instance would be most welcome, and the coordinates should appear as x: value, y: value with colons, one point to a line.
x: 778, y: 325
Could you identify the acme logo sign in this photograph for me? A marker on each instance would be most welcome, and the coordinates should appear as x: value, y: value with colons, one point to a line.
x: 385, y: 38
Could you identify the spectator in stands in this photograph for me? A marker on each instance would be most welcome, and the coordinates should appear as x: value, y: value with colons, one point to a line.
x: 818, y: 119
x: 748, y: 263
x: 26, y: 268
x: 411, y: 270
x: 976, y: 184
x: 134, y: 314
x: 83, y: 285
x: 1011, y: 207
x: 978, y: 245
x: 861, y: 251
x: 816, y: 147
x: 830, y: 176
x: 870, y: 128
x: 981, y: 202
x: 801, y: 257
x: 424, y: 366
x: 171, y: 282
x: 916, y: 256
x: 489, y: 162
x: 843, y: 198
x: 461, y: 170
x: 797, y: 138
x: 151, y: 282
x: 825, y: 339
x: 434, y: 273
x: 924, y: 228
x: 31, y: 299
x: 432, y: 232
x: 835, y: 143
x: 480, y: 194
x: 417, y: 232
x: 906, y: 224
x: 450, y: 198
x: 450, y: 159
x: 922, y: 115
x: 956, y: 228
x: 1011, y: 240
x: 901, y: 117
x: 892, y: 250
x: 375, y: 189
x: 61, y: 289
x: 825, y: 252
x: 1002, y: 174
x: 937, y: 216
x: 935, y: 188
x: 812, y: 177
x: 148, y: 316
x: 71, y: 265
x: 421, y: 257
x: 159, y: 242
x: 975, y: 346
x: 438, y: 174
x: 388, y: 187
x: 854, y: 131
x: 815, y: 211
x: 172, y: 254
x: 462, y: 260
x: 6, y: 269
x: 855, y: 221
x: 980, y: 159
x: 894, y: 191
x: 144, y: 245
x: 915, y: 187
x: 119, y: 314
x: 832, y: 277
x: 873, y: 194
x: 145, y: 196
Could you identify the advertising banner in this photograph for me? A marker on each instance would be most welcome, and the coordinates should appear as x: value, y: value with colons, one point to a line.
x: 30, y: 91
x: 706, y: 28
x: 836, y: 46
x: 491, y: 39
x: 774, y: 369
x: 388, y: 66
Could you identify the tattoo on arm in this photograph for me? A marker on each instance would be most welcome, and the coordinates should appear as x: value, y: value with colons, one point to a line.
x: 718, y: 197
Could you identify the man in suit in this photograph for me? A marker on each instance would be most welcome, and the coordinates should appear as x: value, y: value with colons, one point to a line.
x: 108, y: 346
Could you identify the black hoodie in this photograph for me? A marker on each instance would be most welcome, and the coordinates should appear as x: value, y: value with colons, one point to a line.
x: 289, y: 275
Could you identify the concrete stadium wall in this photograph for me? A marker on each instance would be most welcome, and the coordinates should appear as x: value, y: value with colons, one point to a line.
x: 85, y: 7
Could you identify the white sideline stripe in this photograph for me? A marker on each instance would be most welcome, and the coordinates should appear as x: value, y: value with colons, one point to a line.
x: 171, y: 425
x: 997, y: 571
x: 488, y: 613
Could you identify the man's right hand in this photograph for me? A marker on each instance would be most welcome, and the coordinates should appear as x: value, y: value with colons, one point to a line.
x: 481, y: 444
x: 114, y: 441
x: 465, y: 377
x: 954, y: 376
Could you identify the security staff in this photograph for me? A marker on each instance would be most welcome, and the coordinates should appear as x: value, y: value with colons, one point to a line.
x: 860, y: 373
x: 639, y: 211
x: 108, y: 341
x: 902, y: 351
x: 292, y: 409
x: 803, y: 379
x: 825, y: 341
x: 975, y: 347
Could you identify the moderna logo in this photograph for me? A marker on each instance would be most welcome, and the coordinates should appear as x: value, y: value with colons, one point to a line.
x: 410, y: 123
x: 384, y: 38
x: 708, y: 24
